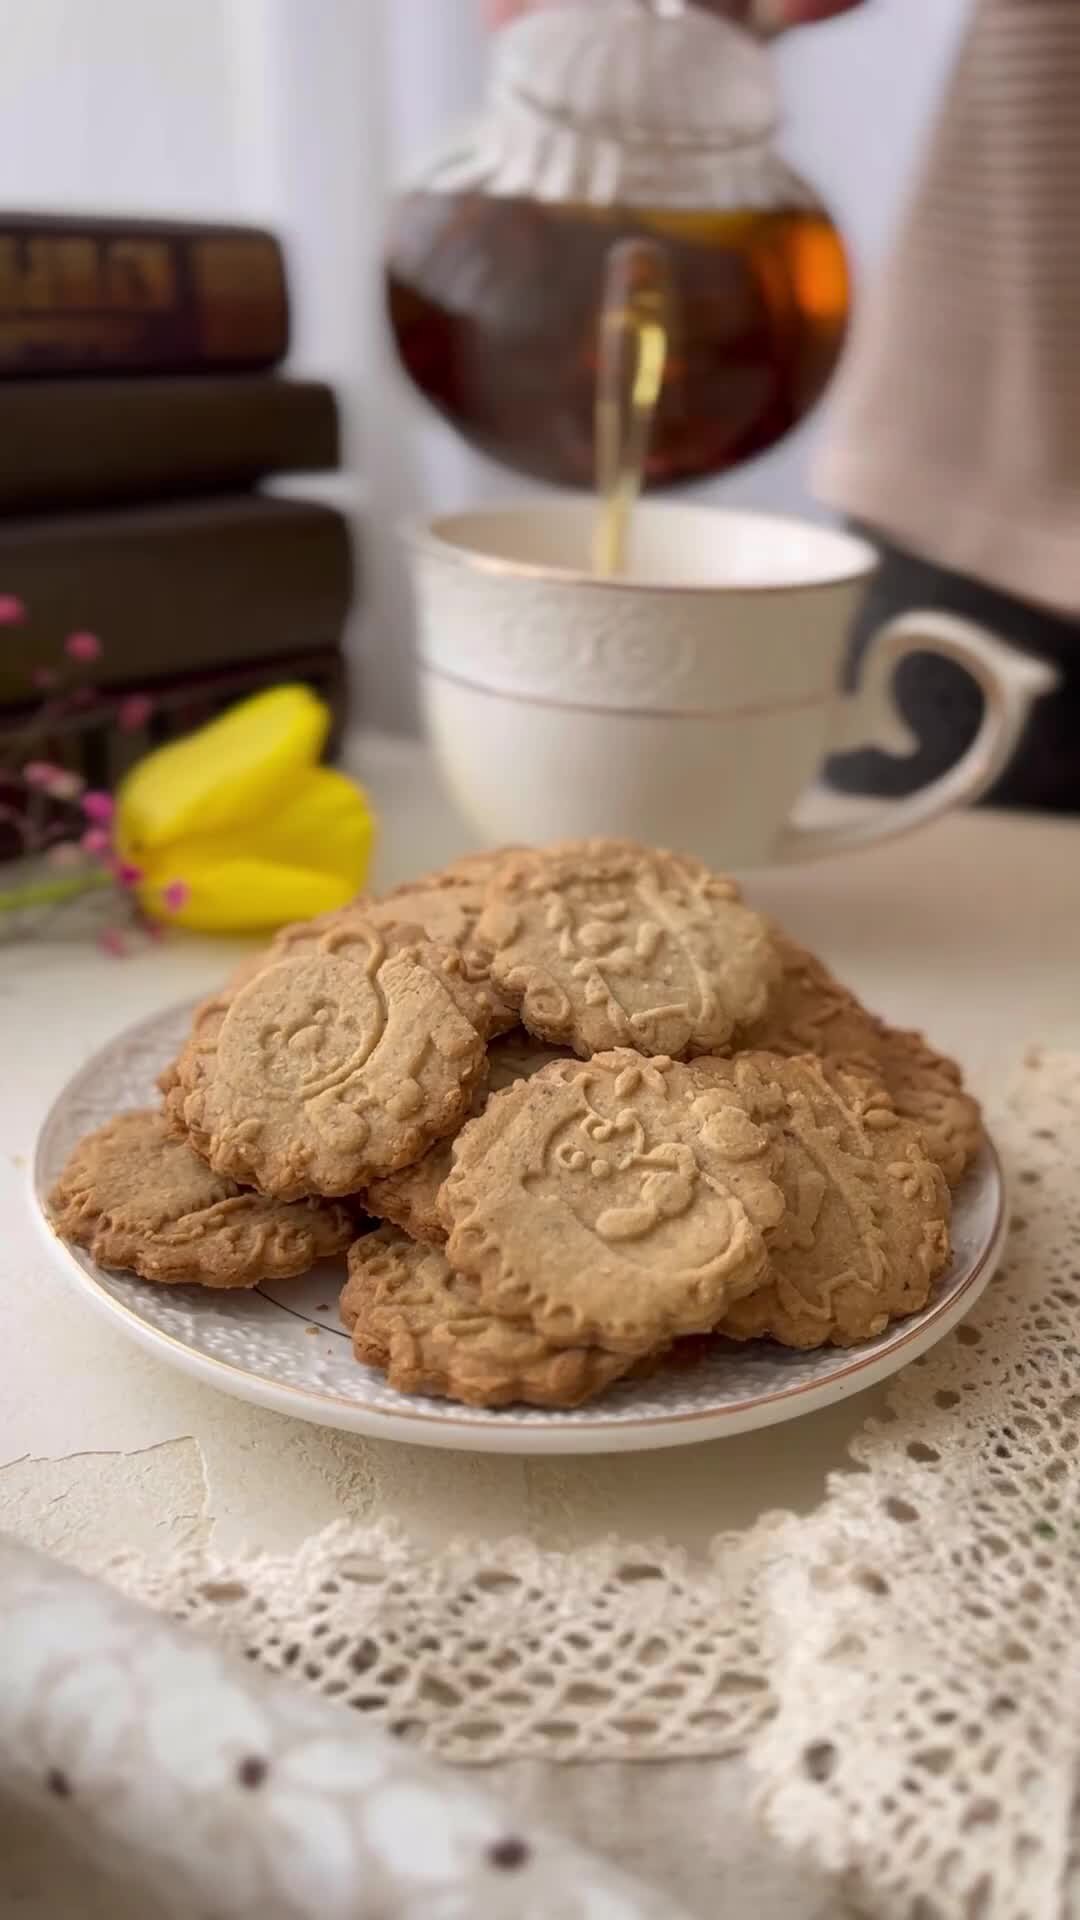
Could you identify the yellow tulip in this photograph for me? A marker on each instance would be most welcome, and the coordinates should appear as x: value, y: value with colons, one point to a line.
x: 237, y: 828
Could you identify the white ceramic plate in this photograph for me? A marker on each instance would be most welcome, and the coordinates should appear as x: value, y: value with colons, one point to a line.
x: 283, y: 1347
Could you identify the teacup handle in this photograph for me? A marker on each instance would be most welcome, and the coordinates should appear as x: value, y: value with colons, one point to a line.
x: 1010, y: 683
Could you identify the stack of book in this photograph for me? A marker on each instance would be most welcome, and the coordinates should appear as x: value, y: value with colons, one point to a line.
x: 140, y: 411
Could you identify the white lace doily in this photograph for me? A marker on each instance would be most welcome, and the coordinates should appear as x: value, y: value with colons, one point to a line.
x: 903, y: 1665
x: 922, y: 1630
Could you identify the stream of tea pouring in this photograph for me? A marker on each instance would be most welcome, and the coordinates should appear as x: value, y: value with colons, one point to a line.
x: 634, y: 339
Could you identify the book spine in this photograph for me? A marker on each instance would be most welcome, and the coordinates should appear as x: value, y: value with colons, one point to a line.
x: 178, y: 589
x: 100, y: 297
x: 66, y: 444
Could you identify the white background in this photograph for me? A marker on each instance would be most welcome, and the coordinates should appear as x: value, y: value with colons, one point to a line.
x: 304, y: 112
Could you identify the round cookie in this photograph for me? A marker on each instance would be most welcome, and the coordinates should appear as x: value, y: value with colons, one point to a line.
x: 928, y: 1089
x: 299, y: 936
x: 138, y: 1199
x: 865, y: 1229
x: 810, y: 1012
x: 423, y: 1324
x: 615, y: 1203
x: 602, y: 943
x: 447, y: 906
x: 410, y: 1198
x: 340, y: 1062
x: 474, y: 866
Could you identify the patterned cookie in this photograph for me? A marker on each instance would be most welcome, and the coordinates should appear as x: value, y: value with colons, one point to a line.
x: 448, y: 905
x: 346, y: 931
x: 410, y: 1198
x: 810, y: 1012
x: 139, y: 1199
x: 176, y: 1080
x: 602, y: 943
x: 475, y: 866
x: 615, y: 1203
x: 423, y: 1324
x: 300, y: 936
x: 865, y: 1230
x: 340, y: 1062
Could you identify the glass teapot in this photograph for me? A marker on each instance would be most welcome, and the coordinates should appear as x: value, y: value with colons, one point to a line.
x: 617, y: 120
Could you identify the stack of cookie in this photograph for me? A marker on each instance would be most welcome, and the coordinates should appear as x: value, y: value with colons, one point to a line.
x: 598, y: 1103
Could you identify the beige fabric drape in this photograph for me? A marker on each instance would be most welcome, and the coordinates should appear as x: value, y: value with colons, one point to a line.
x: 957, y: 410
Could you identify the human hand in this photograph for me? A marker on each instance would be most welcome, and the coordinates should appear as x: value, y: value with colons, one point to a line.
x: 764, y: 16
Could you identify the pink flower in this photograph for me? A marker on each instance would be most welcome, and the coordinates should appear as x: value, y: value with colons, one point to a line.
x: 112, y: 942
x: 65, y: 786
x: 12, y: 610
x: 41, y: 773
x: 98, y: 807
x: 128, y: 875
x: 134, y: 712
x: 95, y: 840
x: 56, y: 781
x: 176, y: 895
x: 83, y: 646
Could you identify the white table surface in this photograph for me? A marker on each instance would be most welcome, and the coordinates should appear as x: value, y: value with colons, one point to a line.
x: 971, y: 930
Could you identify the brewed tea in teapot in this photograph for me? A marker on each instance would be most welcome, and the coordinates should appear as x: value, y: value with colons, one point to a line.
x: 610, y: 122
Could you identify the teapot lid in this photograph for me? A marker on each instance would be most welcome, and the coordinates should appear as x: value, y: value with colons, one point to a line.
x: 648, y: 103
x: 632, y: 72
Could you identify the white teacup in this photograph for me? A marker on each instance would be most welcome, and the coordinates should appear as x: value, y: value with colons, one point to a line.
x: 689, y: 702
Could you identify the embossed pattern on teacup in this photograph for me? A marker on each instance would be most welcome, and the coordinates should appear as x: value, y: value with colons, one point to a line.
x: 517, y: 636
x: 865, y: 1228
x: 333, y: 1066
x: 602, y: 943
x: 425, y: 1326
x: 140, y: 1200
x: 616, y: 1202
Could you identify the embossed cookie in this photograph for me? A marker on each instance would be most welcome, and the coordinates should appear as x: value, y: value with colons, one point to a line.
x: 423, y: 1324
x: 602, y: 943
x: 616, y: 1202
x: 475, y: 865
x: 865, y: 1230
x: 447, y: 906
x: 810, y: 1012
x: 410, y: 1198
x: 337, y: 1064
x: 300, y: 936
x: 139, y: 1199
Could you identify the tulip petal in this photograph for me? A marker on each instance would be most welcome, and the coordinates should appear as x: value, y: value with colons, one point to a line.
x: 239, y: 895
x: 226, y: 774
x: 326, y: 827
x: 325, y: 823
